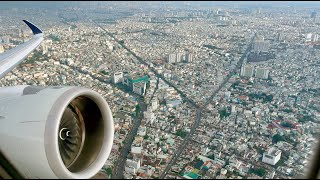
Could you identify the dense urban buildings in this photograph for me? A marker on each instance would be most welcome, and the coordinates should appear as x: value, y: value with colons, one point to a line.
x: 212, y: 91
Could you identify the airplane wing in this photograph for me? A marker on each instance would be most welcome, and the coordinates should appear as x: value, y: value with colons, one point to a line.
x: 13, y: 57
x: 50, y: 132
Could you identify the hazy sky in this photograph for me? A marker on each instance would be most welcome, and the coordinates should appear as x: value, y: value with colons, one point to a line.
x: 61, y: 4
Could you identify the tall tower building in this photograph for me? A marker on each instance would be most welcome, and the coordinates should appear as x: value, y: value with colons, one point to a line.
x: 117, y: 77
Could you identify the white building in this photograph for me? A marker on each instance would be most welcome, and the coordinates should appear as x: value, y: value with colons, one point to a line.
x: 149, y: 116
x: 139, y: 88
x: 309, y: 37
x: 315, y: 37
x: 189, y: 57
x: 1, y: 49
x: 130, y: 170
x: 154, y: 104
x: 233, y: 109
x: 227, y: 94
x: 172, y: 58
x: 136, y: 150
x: 44, y: 47
x: 117, y: 77
x: 142, y: 131
x: 272, y: 156
x: 133, y: 163
x: 180, y: 57
x: 262, y: 73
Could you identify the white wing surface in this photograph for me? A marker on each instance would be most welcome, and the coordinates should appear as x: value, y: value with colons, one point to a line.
x: 13, y: 57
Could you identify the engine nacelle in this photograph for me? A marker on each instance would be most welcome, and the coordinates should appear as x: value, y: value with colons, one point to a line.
x: 55, y: 132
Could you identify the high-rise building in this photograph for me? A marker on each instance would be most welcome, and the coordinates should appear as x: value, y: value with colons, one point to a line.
x: 312, y: 37
x: 172, y: 58
x: 179, y: 57
x: 309, y: 37
x: 247, y: 70
x: 262, y: 73
x: 280, y: 37
x: 139, y: 88
x: 154, y: 103
x: 315, y: 37
x: 272, y: 156
x: 130, y: 80
x: 44, y: 47
x: 1, y: 49
x: 133, y: 163
x: 189, y: 57
x: 117, y: 77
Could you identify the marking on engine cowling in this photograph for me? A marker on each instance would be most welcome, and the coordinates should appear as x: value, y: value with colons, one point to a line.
x: 29, y: 121
x: 33, y: 89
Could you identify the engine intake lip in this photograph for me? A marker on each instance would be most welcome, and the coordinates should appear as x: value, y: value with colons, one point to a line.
x: 98, y: 134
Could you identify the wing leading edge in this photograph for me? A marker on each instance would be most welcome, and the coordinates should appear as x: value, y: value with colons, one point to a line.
x: 13, y: 57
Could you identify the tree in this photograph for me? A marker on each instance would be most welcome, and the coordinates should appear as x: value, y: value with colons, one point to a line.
x: 137, y: 109
x: 145, y: 137
x: 181, y: 133
x: 211, y: 156
x: 305, y: 118
x: 109, y: 171
x: 286, y: 124
x: 276, y: 138
x: 224, y: 113
x: 258, y: 171
x: 268, y: 98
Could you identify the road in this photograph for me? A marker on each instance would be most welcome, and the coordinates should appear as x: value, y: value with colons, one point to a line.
x: 120, y: 164
x: 183, y: 95
x: 155, y: 89
x: 198, y: 114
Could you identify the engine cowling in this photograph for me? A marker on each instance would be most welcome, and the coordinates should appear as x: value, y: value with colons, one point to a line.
x: 55, y: 132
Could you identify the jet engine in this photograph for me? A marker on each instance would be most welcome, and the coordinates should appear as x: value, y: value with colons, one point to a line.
x: 55, y: 132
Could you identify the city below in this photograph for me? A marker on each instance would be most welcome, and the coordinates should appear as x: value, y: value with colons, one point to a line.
x: 196, y: 91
